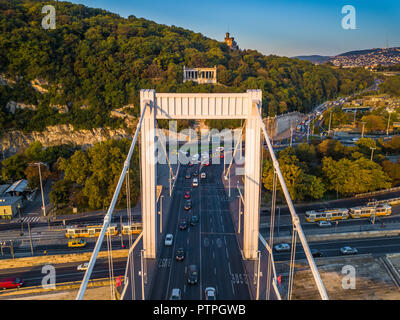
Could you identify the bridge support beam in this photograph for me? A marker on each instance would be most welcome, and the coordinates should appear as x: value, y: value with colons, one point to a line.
x: 252, y: 178
x: 149, y: 173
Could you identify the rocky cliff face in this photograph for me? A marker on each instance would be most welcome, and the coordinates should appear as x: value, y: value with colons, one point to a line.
x: 13, y: 141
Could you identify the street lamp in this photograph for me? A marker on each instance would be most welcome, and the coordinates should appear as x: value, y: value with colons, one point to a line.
x: 372, y: 152
x: 387, y: 129
x: 41, y: 185
x: 291, y: 135
x: 362, y: 132
x: 160, y: 212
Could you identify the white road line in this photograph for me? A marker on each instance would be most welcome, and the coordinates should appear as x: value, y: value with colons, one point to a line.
x: 226, y: 251
x: 233, y: 289
x: 229, y: 267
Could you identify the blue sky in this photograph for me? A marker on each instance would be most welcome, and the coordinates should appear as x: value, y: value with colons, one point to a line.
x: 281, y: 27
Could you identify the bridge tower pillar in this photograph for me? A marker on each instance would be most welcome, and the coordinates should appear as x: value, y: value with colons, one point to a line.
x: 252, y: 170
x: 149, y: 173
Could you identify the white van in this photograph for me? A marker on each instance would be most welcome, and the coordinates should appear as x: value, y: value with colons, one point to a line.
x: 195, y: 183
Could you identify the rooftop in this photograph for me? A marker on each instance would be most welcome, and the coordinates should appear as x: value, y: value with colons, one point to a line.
x: 18, y: 186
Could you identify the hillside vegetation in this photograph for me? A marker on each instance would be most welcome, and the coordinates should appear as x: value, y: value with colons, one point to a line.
x: 100, y: 60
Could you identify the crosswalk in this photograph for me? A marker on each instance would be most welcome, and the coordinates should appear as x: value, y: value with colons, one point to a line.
x: 28, y: 219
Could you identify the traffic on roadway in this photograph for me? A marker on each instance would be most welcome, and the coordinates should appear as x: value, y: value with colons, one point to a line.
x: 200, y: 258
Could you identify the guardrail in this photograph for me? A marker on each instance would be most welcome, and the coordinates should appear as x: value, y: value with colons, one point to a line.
x: 60, y: 286
x: 360, y: 195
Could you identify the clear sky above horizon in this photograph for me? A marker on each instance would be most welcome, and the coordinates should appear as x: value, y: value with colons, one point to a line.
x: 281, y: 27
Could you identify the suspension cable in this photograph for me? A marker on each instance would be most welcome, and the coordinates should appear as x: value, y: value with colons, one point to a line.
x: 234, y: 152
x: 292, y: 263
x: 165, y: 150
x: 295, y: 217
x: 130, y: 254
x: 108, y: 216
x: 271, y: 232
x: 110, y: 264
x: 128, y: 206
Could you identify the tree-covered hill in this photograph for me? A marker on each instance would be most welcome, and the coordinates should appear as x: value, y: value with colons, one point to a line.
x: 98, y: 59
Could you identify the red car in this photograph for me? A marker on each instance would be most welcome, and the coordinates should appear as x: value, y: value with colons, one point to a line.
x: 187, y: 195
x: 10, y: 283
x: 221, y: 156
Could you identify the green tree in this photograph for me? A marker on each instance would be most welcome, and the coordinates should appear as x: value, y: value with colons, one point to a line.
x: 349, y: 177
x: 60, y: 192
x: 13, y: 168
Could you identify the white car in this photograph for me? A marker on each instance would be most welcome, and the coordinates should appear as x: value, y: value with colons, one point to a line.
x: 348, y: 250
x: 195, y: 182
x: 203, y: 175
x: 176, y: 294
x: 168, y: 239
x: 324, y: 224
x: 211, y: 293
x: 282, y: 247
x: 83, y: 266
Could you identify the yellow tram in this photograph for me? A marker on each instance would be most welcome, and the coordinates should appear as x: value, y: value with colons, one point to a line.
x: 368, y: 211
x: 134, y: 228
x: 90, y: 231
x: 327, y: 215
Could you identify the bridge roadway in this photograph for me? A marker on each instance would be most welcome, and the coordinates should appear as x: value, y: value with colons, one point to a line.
x: 211, y: 244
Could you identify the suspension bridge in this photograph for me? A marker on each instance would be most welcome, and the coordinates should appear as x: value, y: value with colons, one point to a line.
x: 222, y: 247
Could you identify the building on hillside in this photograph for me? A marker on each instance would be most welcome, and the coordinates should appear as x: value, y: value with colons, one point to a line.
x: 230, y: 42
x: 10, y: 207
x: 18, y: 188
x: 200, y: 75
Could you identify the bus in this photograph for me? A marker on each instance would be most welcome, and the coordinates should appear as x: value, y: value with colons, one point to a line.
x: 89, y: 231
x: 134, y: 228
x: 370, y: 210
x: 326, y: 215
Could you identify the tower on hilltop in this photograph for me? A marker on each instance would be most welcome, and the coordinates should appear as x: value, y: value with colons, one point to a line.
x: 230, y: 42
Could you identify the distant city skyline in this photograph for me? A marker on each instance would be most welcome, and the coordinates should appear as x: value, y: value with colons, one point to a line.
x: 288, y: 28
